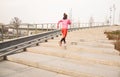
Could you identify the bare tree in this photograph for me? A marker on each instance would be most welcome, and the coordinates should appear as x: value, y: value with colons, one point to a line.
x: 3, y: 31
x: 16, y: 23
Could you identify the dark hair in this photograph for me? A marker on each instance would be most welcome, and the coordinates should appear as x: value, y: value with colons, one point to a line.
x: 64, y: 16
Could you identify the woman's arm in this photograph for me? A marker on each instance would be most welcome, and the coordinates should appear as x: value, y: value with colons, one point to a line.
x: 58, y: 23
x: 69, y: 22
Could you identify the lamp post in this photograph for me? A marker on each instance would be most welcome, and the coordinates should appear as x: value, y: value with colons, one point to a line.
x: 114, y: 13
x: 119, y: 19
x: 110, y: 15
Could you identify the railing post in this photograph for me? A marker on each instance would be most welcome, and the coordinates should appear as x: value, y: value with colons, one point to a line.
x: 51, y: 27
x: 47, y: 27
x: 28, y: 29
x: 79, y: 25
x: 35, y: 28
x: 42, y: 27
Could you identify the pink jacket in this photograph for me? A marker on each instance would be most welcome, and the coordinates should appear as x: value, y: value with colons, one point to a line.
x: 64, y: 23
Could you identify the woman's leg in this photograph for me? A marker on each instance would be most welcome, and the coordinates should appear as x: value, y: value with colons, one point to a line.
x: 63, y: 39
x: 64, y: 34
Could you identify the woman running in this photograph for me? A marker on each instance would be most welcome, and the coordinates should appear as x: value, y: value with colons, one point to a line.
x: 64, y: 23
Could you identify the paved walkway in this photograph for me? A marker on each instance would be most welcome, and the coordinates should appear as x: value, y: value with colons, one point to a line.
x: 88, y: 53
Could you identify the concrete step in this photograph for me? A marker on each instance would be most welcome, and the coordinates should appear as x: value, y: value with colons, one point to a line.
x: 62, y: 65
x: 81, y: 48
x: 86, y: 43
x: 89, y: 35
x: 97, y: 44
x: 12, y: 69
x: 112, y: 60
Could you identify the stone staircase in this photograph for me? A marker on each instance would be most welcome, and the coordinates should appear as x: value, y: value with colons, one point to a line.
x: 88, y: 53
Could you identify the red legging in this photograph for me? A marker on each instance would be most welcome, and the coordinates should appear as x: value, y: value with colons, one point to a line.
x: 64, y: 33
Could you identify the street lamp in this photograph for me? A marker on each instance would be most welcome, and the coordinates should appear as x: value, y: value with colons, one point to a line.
x: 114, y: 13
x: 110, y: 15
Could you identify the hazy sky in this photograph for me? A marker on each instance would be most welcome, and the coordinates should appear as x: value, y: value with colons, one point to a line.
x: 48, y: 11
